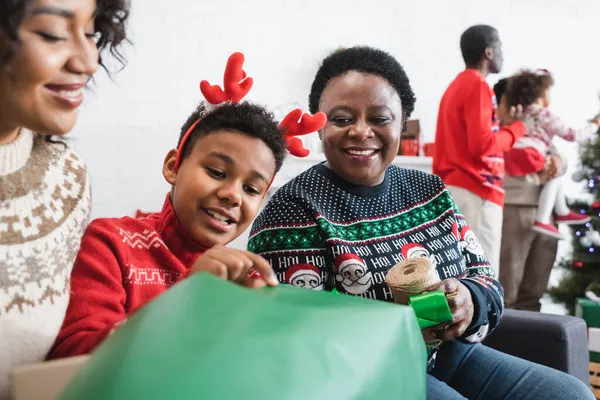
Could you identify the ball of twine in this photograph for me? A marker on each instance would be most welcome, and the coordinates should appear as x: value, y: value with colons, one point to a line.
x: 410, y: 277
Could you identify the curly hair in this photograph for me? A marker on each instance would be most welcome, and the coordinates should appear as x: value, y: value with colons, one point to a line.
x: 500, y: 89
x: 527, y: 86
x: 110, y: 21
x: 475, y: 40
x: 250, y: 119
x: 367, y: 60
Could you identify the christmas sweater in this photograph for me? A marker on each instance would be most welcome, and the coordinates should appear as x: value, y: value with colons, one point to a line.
x: 44, y: 209
x: 321, y: 232
x: 122, y: 265
x: 469, y: 144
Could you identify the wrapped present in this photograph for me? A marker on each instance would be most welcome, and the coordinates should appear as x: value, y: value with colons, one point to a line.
x: 410, y: 138
x: 589, y: 311
x: 210, y: 339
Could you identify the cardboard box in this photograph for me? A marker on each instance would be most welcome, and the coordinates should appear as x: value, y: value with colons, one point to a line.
x: 44, y: 381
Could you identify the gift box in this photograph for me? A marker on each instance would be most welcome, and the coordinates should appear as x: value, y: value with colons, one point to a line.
x: 409, y: 147
x: 589, y: 311
x: 43, y: 381
x: 410, y: 138
x: 208, y: 338
x: 428, y: 149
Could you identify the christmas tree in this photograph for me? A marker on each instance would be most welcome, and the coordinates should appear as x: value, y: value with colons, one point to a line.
x: 582, y: 269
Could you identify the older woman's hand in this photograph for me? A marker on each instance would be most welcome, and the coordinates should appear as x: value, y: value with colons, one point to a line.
x: 461, y: 304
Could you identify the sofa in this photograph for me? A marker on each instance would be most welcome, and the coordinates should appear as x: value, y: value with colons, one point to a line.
x: 557, y: 341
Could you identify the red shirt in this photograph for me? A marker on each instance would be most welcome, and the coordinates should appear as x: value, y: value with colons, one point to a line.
x: 469, y: 145
x: 122, y: 265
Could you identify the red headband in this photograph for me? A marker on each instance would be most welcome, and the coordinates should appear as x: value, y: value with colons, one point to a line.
x: 236, y: 86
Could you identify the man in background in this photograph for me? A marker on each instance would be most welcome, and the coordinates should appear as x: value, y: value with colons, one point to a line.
x: 469, y: 143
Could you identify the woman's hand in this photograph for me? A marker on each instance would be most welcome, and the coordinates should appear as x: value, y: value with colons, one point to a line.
x: 461, y: 304
x: 235, y: 265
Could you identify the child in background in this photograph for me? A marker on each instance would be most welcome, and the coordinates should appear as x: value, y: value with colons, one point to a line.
x: 225, y: 161
x: 532, y: 90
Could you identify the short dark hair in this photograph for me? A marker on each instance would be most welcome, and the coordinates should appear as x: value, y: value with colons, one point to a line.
x: 475, y: 40
x: 367, y: 60
x: 110, y: 21
x: 248, y: 118
x: 527, y: 86
x: 500, y: 88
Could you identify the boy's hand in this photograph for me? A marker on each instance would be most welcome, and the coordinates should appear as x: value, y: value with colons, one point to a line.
x: 515, y: 113
x: 234, y: 265
x: 595, y: 120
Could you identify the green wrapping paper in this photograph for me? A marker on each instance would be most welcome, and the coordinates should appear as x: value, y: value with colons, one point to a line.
x: 206, y: 338
x: 431, y: 308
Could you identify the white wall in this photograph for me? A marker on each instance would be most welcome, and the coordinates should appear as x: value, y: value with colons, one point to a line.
x: 127, y: 126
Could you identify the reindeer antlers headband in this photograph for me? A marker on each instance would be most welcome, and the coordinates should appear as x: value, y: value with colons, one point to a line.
x: 236, y: 85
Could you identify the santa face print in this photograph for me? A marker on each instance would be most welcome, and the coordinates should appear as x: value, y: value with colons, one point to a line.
x: 472, y: 244
x: 307, y: 280
x: 355, y: 278
x: 479, y: 335
x: 305, y: 276
x: 455, y: 232
x: 418, y: 251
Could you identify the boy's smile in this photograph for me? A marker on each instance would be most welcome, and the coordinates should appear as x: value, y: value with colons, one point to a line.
x: 219, y: 187
x: 220, y: 219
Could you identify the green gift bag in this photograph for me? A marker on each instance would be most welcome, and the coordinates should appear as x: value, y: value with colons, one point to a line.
x: 206, y: 338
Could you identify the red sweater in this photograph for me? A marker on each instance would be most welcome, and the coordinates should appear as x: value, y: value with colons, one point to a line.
x: 122, y: 265
x: 469, y: 145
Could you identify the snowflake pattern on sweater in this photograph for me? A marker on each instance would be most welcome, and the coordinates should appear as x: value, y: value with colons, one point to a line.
x: 320, y: 232
x: 45, y: 203
x: 123, y: 264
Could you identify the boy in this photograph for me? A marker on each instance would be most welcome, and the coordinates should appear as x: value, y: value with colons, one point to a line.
x: 217, y: 190
x: 469, y: 142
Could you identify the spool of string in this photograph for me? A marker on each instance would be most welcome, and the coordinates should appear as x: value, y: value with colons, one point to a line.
x: 410, y: 277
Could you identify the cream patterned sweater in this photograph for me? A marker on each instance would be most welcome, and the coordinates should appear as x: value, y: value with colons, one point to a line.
x: 44, y: 210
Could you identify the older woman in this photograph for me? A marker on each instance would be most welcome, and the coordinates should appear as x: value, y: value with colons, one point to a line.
x: 48, y: 51
x: 342, y: 224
